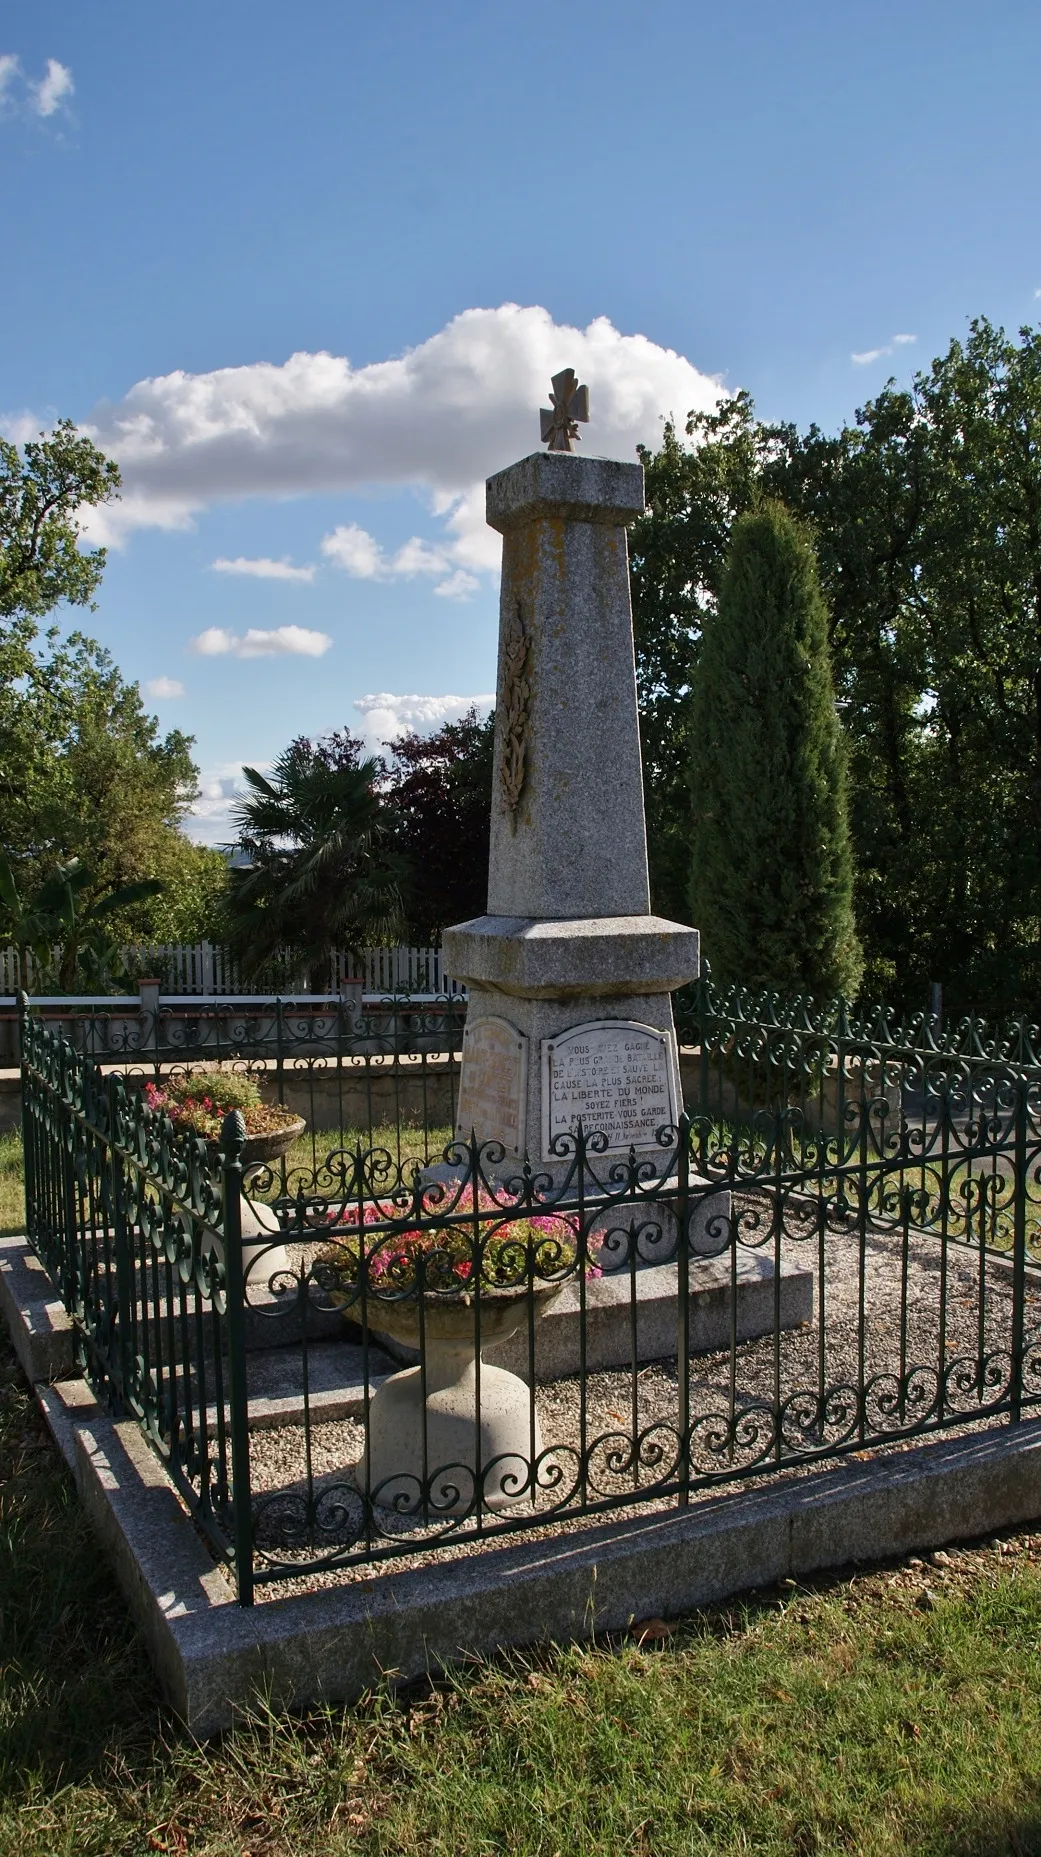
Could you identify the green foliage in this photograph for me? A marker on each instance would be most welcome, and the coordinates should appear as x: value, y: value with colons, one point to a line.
x: 190, y: 905
x: 926, y: 516
x: 771, y: 876
x: 321, y: 872
x: 84, y: 773
x: 438, y: 794
x: 677, y: 553
x: 86, y: 782
x: 41, y: 491
x: 61, y: 915
x: 231, y: 1089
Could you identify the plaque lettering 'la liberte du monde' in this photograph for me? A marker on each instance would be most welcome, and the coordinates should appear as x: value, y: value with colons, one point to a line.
x: 494, y: 1083
x: 613, y: 1076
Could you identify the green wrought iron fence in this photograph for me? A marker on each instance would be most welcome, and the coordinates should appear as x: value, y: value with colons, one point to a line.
x: 835, y: 1253
x: 136, y: 1224
x: 383, y: 1068
x: 928, y: 1101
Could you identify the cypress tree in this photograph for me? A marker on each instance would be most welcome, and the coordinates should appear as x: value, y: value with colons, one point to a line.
x: 772, y: 874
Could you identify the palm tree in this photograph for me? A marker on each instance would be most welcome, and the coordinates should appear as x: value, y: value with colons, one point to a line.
x: 318, y: 870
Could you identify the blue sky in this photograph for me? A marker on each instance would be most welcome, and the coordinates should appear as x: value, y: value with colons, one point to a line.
x: 674, y: 195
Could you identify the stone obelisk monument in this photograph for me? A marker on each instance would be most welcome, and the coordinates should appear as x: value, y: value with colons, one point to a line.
x: 568, y: 975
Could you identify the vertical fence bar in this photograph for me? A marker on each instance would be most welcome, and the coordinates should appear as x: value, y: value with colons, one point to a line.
x: 28, y: 1130
x: 1019, y: 1252
x: 120, y: 1243
x: 685, y: 1220
x: 233, y: 1136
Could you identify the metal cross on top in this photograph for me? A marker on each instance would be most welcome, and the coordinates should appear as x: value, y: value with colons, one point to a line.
x: 570, y: 403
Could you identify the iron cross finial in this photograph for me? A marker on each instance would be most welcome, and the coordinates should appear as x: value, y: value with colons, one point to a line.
x: 570, y: 403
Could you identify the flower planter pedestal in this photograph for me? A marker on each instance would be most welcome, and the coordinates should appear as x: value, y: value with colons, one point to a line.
x: 434, y: 1454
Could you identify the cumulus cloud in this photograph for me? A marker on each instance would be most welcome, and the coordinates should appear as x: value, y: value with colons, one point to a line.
x: 274, y: 642
x: 353, y: 549
x: 263, y: 569
x: 386, y: 716
x: 437, y: 419
x: 42, y: 97
x: 459, y: 585
x: 164, y: 688
x: 867, y: 355
x: 52, y: 89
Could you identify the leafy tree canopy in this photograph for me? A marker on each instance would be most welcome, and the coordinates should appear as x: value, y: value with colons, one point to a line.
x: 438, y: 791
x: 86, y: 780
x: 320, y: 872
x: 41, y: 490
x: 83, y: 770
x: 926, y: 515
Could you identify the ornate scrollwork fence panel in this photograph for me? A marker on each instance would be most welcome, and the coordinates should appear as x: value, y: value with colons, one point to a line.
x: 129, y: 1217
x: 834, y: 1252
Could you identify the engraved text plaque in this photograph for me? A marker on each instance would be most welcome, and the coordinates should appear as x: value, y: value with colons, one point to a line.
x: 616, y: 1077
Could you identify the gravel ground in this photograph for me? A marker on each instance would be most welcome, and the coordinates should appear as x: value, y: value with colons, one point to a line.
x: 974, y: 1300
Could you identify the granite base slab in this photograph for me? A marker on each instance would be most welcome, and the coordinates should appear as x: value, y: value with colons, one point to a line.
x: 40, y: 1329
x: 216, y: 1659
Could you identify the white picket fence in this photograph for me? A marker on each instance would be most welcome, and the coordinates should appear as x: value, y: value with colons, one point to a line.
x: 202, y: 968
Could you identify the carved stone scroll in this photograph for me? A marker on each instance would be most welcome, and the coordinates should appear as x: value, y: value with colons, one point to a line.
x: 516, y: 703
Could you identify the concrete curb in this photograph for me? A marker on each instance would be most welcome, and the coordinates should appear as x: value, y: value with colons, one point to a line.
x: 214, y: 1658
x: 41, y: 1332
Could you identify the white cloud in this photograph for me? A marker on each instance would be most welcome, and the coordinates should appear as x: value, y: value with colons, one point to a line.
x: 275, y: 642
x: 52, y: 88
x: 164, y: 688
x: 386, y: 716
x: 263, y: 569
x: 1037, y: 292
x: 358, y: 553
x: 210, y: 819
x: 867, y: 355
x: 28, y: 98
x: 438, y: 419
x: 459, y: 585
x: 10, y: 71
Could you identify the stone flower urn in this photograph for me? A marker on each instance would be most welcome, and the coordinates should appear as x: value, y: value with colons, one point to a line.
x: 465, y: 1448
x: 260, y: 1227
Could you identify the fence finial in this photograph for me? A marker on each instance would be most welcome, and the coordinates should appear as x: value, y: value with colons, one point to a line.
x: 233, y: 1135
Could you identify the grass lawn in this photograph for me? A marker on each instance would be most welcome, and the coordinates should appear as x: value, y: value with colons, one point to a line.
x: 12, y: 1183
x: 895, y: 1712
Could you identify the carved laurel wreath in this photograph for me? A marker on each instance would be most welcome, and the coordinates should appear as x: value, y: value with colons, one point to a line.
x: 516, y: 703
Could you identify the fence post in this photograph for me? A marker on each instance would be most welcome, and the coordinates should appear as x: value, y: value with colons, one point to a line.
x: 120, y: 1242
x: 28, y: 1143
x: 1019, y: 1250
x: 233, y: 1136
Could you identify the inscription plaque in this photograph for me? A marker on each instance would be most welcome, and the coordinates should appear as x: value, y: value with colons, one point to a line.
x: 615, y: 1077
x: 493, y: 1084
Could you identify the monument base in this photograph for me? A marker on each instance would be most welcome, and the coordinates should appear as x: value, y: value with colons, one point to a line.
x: 569, y: 1023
